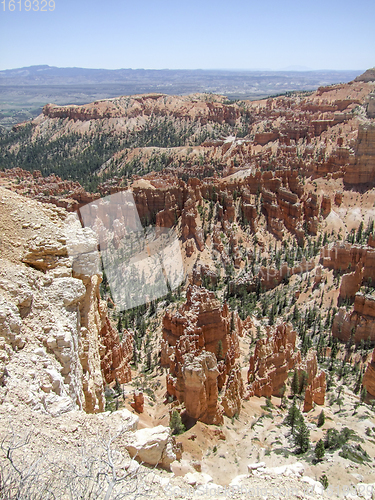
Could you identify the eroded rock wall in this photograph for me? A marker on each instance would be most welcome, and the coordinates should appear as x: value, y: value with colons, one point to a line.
x: 54, y: 328
x: 273, y: 359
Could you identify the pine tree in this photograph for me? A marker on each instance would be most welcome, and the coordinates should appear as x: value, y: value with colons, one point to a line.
x: 302, y: 436
x: 319, y: 449
x: 321, y: 419
x: 293, y: 417
x: 295, y: 383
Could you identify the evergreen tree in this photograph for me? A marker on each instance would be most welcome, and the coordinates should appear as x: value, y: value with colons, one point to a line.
x: 302, y: 436
x: 321, y: 419
x: 293, y: 417
x: 176, y: 423
x: 295, y: 383
x: 319, y: 449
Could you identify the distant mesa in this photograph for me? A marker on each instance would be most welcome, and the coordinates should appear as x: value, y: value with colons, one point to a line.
x: 367, y: 76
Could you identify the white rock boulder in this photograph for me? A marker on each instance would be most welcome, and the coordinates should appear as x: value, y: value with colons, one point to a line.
x: 153, y: 446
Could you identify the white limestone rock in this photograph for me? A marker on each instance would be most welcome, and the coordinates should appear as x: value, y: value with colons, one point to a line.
x: 153, y: 446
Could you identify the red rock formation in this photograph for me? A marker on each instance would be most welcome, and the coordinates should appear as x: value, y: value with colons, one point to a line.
x: 139, y: 401
x: 200, y: 389
x: 269, y: 277
x: 361, y: 169
x: 265, y: 137
x: 358, y: 324
x: 316, y: 382
x: 325, y: 206
x: 371, y: 105
x: 202, y: 273
x: 52, y: 189
x: 272, y: 359
x: 311, y: 209
x: 189, y: 223
x: 116, y: 356
x: 344, y: 257
x: 368, y: 380
x: 338, y: 198
x: 200, y: 326
x: 234, y: 392
x: 195, y: 107
x: 351, y: 282
x: 204, y: 320
x: 160, y: 201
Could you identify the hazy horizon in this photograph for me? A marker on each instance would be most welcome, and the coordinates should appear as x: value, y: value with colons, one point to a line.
x: 284, y: 69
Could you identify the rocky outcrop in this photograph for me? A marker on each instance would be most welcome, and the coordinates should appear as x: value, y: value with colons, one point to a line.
x: 371, y: 105
x: 160, y: 201
x: 367, y: 76
x: 358, y: 324
x: 338, y: 198
x: 344, y: 257
x: 138, y: 403
x: 315, y: 392
x: 202, y: 342
x: 311, y: 209
x: 195, y: 107
x: 189, y: 223
x: 265, y: 137
x: 316, y: 382
x: 200, y: 388
x: 326, y: 205
x: 268, y: 277
x: 115, y: 362
x: 153, y: 446
x: 205, y: 322
x: 272, y: 360
x: 351, y: 283
x: 362, y: 167
x: 234, y: 393
x: 52, y: 189
x: 274, y: 356
x: 368, y: 380
x: 204, y: 274
x: 50, y: 307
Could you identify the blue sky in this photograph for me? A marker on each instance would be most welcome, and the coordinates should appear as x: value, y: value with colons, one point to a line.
x: 199, y: 34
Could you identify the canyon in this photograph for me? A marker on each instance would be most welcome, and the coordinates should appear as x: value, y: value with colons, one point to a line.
x: 272, y: 202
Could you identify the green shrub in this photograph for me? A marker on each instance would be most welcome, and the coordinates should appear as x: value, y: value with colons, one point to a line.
x: 176, y: 423
x: 355, y: 453
x: 324, y: 480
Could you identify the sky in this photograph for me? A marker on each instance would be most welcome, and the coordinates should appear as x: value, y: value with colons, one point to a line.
x: 199, y: 34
